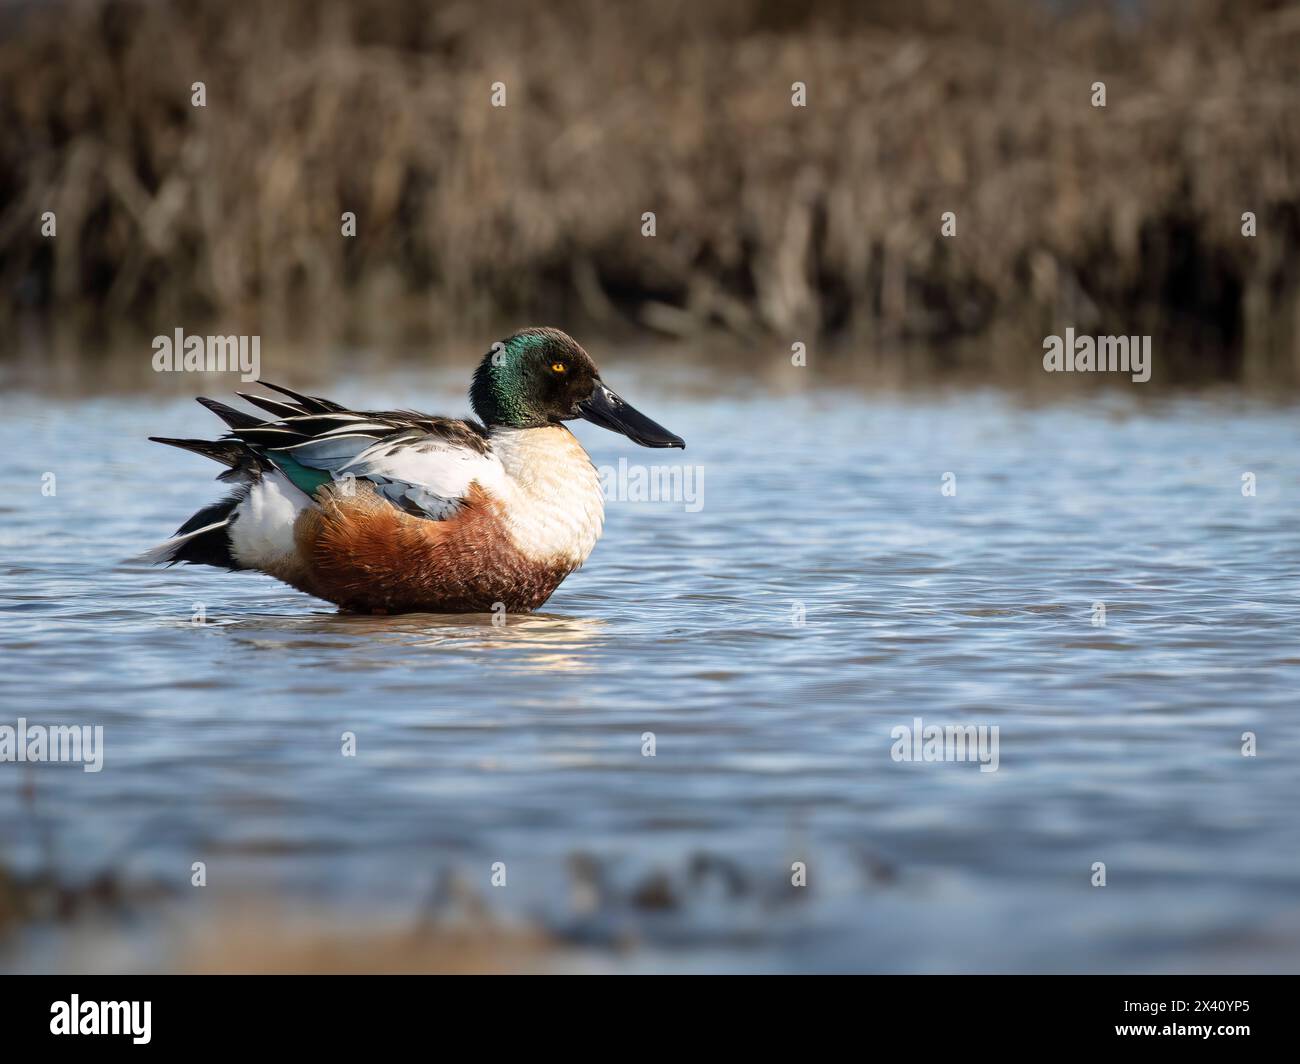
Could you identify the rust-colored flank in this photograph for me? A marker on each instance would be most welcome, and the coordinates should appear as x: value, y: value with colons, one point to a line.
x: 367, y: 556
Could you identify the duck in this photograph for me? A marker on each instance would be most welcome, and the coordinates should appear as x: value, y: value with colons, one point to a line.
x: 401, y: 512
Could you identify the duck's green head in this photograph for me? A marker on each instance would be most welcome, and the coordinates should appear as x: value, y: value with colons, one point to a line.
x: 541, y: 377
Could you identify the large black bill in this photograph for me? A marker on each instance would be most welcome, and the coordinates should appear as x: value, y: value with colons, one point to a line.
x: 607, y: 410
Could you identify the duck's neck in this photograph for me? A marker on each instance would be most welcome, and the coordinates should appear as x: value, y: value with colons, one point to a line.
x: 554, y: 508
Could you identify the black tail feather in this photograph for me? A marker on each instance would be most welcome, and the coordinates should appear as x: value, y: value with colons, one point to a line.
x: 236, y: 419
x: 209, y: 515
x: 227, y: 452
x: 272, y: 406
x: 311, y: 404
x: 211, y: 547
x: 244, y: 464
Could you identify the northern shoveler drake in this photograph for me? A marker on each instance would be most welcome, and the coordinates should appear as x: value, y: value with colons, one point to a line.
x: 395, y: 511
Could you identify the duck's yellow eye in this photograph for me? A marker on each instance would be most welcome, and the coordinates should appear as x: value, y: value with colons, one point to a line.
x: 557, y: 367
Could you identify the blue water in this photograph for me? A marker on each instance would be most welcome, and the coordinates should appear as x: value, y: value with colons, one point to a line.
x: 824, y: 592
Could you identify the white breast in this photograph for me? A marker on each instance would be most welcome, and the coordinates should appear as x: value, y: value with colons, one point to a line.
x: 553, y: 503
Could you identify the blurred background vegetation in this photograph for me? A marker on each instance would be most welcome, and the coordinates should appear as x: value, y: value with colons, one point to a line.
x: 774, y: 223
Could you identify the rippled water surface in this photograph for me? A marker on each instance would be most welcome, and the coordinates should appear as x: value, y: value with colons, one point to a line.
x: 825, y: 593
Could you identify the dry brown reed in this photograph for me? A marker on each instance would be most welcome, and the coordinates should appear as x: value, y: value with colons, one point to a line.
x: 772, y: 220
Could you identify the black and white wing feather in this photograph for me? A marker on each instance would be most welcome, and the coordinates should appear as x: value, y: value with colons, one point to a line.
x: 422, y: 464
